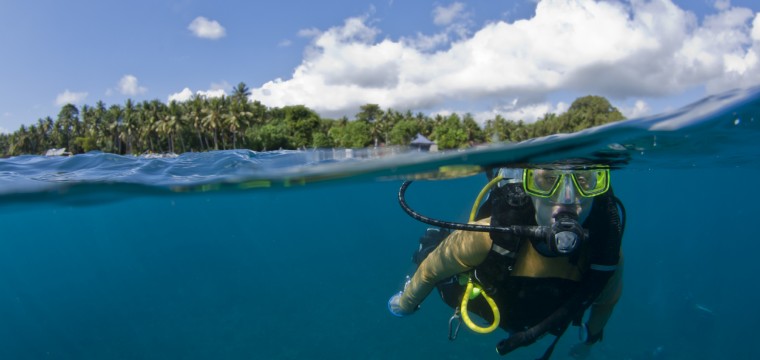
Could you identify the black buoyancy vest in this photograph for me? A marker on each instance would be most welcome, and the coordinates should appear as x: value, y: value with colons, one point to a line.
x: 526, y: 302
x: 533, y: 307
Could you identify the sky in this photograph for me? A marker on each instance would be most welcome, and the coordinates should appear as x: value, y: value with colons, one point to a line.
x: 519, y: 59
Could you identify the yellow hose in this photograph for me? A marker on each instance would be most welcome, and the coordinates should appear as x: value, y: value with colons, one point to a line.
x: 473, y: 290
x: 466, y: 316
x: 483, y: 193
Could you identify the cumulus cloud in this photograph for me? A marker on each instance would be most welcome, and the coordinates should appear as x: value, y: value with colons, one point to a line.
x: 70, y: 97
x: 527, y: 113
x: 206, y: 29
x: 621, y: 50
x: 445, y: 15
x: 181, y: 96
x: 128, y: 85
x: 731, y: 46
x: 186, y: 94
x: 722, y: 4
x: 456, y: 24
x: 216, y: 87
x: 640, y: 108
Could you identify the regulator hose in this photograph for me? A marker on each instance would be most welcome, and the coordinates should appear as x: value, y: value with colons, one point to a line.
x: 532, y: 231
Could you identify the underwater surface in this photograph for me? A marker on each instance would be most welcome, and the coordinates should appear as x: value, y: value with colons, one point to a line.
x: 294, y: 254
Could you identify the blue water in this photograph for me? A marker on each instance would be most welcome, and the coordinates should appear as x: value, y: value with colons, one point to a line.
x: 293, y: 255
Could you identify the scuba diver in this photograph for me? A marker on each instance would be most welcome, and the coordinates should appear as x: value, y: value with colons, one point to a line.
x: 542, y: 249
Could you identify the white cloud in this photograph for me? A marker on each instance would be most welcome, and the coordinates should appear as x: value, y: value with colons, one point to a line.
x: 206, y: 29
x: 224, y: 85
x: 513, y: 112
x: 69, y: 97
x: 186, y: 94
x: 722, y: 4
x: 308, y: 33
x: 635, y: 49
x: 128, y: 85
x: 427, y: 42
x: 529, y: 113
x: 445, y: 15
x: 756, y: 28
x: 455, y: 19
x: 729, y: 53
x: 284, y: 43
x: 456, y: 24
x: 212, y: 93
x: 640, y: 108
x: 181, y: 96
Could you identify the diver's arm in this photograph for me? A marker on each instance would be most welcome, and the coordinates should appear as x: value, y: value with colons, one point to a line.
x: 459, y: 252
x: 602, y: 308
x: 600, y: 313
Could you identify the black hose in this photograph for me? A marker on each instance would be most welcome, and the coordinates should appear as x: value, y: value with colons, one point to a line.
x: 516, y: 230
x: 622, y: 215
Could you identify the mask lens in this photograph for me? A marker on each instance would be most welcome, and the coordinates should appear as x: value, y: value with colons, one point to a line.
x: 592, y: 183
x: 542, y: 183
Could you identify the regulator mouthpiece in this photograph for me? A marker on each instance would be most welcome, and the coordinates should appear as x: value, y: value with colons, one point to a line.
x: 567, y: 232
x: 562, y: 238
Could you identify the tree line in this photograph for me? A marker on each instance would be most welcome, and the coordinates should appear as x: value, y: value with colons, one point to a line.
x: 234, y: 122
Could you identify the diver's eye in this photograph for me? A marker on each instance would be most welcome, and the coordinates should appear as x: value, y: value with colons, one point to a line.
x: 546, y: 181
x: 585, y: 180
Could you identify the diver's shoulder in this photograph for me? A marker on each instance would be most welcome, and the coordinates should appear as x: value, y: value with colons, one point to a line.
x: 473, y: 241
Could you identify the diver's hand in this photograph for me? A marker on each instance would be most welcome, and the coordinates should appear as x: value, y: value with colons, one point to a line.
x: 580, y: 350
x: 395, y: 308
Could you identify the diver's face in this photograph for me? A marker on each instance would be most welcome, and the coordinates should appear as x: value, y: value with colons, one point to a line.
x: 566, y: 199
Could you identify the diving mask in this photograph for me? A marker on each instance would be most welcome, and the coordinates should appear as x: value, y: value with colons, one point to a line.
x: 544, y: 183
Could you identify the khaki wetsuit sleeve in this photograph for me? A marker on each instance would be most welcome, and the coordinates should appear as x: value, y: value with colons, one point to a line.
x: 602, y: 308
x: 459, y: 252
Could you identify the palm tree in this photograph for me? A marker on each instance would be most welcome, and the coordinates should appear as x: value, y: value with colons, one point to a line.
x: 112, y: 125
x: 194, y: 115
x: 149, y: 117
x: 171, y: 122
x: 99, y: 132
x: 129, y: 129
x: 239, y: 116
x: 240, y: 93
x: 258, y: 113
x: 214, y: 113
x: 21, y: 142
x: 64, y: 125
x: 44, y: 130
x: 371, y: 113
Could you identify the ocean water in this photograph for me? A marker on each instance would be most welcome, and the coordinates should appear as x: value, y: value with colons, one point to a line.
x: 293, y: 255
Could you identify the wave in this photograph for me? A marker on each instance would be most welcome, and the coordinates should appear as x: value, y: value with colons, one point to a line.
x: 717, y: 131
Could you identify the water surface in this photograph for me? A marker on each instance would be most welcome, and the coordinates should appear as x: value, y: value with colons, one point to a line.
x: 293, y: 255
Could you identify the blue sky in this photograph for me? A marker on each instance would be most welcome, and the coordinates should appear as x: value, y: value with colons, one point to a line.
x: 517, y: 58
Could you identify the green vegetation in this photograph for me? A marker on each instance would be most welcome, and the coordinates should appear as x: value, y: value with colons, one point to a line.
x: 233, y: 122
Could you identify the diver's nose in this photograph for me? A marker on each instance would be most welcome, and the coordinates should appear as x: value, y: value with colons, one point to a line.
x: 566, y: 191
